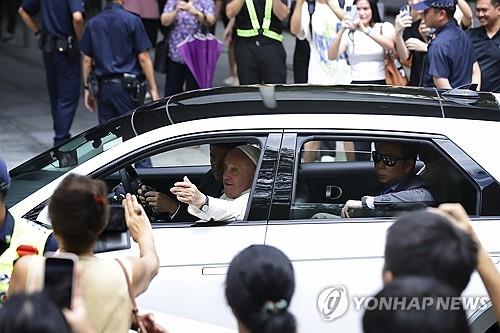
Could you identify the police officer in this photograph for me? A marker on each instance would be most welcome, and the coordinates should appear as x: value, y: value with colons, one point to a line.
x: 116, y: 45
x: 61, y: 29
x: 443, y: 68
x: 17, y: 238
x: 260, y: 55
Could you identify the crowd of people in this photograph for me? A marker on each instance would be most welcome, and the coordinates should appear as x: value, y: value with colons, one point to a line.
x: 338, y: 42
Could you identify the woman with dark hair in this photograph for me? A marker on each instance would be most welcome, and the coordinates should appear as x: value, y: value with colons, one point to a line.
x: 259, y: 287
x: 79, y: 211
x: 365, y: 40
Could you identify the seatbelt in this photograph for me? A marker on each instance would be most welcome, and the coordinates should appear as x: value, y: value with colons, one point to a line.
x: 256, y: 25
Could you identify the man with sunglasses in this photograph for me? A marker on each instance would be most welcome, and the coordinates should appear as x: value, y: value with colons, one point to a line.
x: 400, y: 188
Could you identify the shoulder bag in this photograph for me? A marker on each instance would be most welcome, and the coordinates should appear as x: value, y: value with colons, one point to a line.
x: 140, y: 323
x: 395, y: 74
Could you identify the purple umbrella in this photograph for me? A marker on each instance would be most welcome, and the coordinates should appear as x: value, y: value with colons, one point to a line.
x: 200, y: 53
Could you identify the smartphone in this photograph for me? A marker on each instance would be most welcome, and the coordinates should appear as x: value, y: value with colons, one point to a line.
x: 405, y: 10
x: 351, y: 12
x: 59, y: 278
x: 116, y: 220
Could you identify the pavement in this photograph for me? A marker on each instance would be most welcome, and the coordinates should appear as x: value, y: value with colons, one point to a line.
x: 25, y: 119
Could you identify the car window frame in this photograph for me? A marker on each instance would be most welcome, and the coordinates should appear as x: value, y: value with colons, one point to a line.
x: 259, y: 205
x: 280, y: 210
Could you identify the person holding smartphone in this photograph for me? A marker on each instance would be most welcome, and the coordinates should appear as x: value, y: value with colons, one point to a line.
x: 318, y: 23
x: 79, y: 210
x: 365, y: 39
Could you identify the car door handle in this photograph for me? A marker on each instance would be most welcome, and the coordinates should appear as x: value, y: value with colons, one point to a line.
x: 215, y: 270
x: 333, y: 192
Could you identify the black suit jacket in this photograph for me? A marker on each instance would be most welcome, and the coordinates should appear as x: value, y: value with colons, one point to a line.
x: 412, y: 193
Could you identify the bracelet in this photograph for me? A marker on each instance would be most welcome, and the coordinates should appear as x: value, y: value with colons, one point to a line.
x: 37, y: 33
x: 86, y: 87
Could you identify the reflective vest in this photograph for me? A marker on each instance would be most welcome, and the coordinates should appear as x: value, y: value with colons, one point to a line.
x: 27, y: 237
x: 256, y: 25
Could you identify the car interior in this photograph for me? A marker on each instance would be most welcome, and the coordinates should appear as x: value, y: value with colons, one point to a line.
x: 332, y: 172
x: 167, y: 168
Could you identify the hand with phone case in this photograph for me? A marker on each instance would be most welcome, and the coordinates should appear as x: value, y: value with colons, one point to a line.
x: 403, y: 20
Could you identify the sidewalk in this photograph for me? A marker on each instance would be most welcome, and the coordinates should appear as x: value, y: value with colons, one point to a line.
x: 25, y: 120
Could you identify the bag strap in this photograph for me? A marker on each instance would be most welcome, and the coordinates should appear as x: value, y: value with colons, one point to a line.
x: 135, y: 311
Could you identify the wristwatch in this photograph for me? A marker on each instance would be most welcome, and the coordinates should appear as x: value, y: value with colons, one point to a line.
x: 204, y: 207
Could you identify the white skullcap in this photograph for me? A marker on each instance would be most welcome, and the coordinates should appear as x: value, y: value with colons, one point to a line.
x: 251, y: 152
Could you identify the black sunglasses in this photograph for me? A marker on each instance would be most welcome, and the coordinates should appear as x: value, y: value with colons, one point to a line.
x: 388, y: 160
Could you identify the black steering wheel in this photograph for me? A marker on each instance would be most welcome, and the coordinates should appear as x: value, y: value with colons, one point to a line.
x: 132, y: 183
x: 130, y: 180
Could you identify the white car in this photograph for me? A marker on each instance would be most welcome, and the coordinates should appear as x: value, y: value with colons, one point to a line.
x: 291, y: 185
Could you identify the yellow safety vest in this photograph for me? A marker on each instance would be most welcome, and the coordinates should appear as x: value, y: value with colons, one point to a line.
x: 256, y: 25
x: 25, y: 233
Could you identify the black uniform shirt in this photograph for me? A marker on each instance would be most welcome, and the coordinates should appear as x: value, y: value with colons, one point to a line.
x: 113, y: 39
x: 488, y: 55
x: 243, y: 18
x: 56, y: 15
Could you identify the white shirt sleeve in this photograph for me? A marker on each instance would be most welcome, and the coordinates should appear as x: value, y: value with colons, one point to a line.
x: 223, y: 209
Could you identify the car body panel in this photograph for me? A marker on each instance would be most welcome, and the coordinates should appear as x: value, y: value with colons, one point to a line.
x: 194, y: 258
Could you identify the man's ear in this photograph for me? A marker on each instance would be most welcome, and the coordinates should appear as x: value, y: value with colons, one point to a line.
x: 387, y: 277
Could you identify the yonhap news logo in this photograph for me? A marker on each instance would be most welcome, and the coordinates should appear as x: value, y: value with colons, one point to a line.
x: 333, y: 302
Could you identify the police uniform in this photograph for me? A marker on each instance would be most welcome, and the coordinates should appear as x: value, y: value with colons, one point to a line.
x: 61, y: 58
x: 113, y: 39
x: 488, y: 55
x: 18, y: 238
x: 259, y: 50
x: 442, y: 60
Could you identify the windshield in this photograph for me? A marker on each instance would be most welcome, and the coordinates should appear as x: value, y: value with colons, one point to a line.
x: 41, y: 170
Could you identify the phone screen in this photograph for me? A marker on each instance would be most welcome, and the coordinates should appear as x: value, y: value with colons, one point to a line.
x: 58, y: 284
x: 116, y: 221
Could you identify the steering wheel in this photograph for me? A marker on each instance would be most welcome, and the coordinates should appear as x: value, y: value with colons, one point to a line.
x: 132, y: 183
x: 130, y: 180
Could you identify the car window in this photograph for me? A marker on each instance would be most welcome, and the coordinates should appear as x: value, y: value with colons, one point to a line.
x: 186, y: 156
x: 173, y: 165
x: 331, y: 172
x: 41, y: 170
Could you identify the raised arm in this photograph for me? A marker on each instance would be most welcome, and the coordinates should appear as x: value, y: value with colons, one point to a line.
x: 296, y: 19
x: 401, y: 23
x: 145, y: 267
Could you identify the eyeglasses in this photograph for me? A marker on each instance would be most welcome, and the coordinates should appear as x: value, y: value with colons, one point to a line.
x: 388, y: 160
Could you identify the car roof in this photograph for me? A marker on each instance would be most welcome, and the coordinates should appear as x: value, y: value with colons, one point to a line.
x: 300, y: 99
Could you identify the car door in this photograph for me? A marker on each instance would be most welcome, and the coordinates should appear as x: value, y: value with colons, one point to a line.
x: 342, y: 255
x: 194, y: 256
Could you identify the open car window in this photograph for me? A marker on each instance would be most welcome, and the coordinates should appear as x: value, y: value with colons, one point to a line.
x: 331, y: 172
